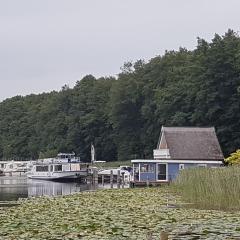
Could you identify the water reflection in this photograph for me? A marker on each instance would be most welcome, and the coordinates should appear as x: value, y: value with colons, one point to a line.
x: 13, y: 188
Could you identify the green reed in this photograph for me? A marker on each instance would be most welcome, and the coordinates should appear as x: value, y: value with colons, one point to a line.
x: 212, y: 188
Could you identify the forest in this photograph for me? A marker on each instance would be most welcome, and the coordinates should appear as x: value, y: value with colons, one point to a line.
x: 122, y: 116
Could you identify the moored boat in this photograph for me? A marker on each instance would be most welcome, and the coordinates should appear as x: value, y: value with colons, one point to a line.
x: 14, y: 168
x: 124, y: 171
x: 64, y: 167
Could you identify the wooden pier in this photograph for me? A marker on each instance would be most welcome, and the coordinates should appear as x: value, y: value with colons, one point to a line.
x: 9, y: 203
x: 95, y: 178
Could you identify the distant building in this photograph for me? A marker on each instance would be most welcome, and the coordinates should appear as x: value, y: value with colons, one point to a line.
x: 179, y: 148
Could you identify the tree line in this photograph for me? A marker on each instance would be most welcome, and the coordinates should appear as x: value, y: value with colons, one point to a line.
x: 122, y: 116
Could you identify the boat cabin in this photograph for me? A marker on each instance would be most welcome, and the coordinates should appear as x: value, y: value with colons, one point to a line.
x: 64, y: 166
x: 179, y: 148
x: 68, y: 156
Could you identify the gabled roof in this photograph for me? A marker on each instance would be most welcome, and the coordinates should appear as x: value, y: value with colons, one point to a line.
x: 195, y: 143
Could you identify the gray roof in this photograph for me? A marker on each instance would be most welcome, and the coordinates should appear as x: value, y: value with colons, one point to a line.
x: 195, y: 143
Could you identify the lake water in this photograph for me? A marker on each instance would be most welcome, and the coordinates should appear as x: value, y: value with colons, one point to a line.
x: 13, y: 188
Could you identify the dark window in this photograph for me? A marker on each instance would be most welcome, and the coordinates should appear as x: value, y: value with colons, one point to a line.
x: 136, y: 171
x: 42, y: 168
x: 162, y: 172
x: 58, y: 168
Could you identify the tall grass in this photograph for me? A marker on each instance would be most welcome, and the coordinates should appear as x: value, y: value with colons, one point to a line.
x: 114, y: 164
x: 212, y: 188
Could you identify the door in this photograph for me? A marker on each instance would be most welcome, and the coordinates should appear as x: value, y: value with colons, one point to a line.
x: 162, y: 172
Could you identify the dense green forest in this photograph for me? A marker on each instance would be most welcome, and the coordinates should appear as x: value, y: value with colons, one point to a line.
x: 123, y: 115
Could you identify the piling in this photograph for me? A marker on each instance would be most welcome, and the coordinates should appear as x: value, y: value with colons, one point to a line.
x: 111, y: 178
x: 147, y: 182
x: 118, y: 179
x: 103, y: 180
x: 95, y: 177
x: 123, y: 180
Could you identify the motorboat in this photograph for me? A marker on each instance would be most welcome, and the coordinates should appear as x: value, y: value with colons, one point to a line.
x: 64, y: 167
x: 124, y: 171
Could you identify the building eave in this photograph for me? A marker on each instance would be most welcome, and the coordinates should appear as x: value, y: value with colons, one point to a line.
x: 177, y: 161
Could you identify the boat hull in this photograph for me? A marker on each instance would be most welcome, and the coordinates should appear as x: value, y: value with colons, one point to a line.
x: 58, y: 176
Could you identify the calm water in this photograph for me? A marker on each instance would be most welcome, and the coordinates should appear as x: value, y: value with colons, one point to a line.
x: 12, y: 188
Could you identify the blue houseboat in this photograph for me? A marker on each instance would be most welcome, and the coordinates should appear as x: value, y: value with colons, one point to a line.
x: 179, y: 148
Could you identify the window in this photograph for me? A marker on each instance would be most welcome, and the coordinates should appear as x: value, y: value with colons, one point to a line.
x: 181, y: 166
x: 145, y: 167
x: 136, y: 171
x: 58, y: 168
x: 43, y: 168
x: 162, y: 172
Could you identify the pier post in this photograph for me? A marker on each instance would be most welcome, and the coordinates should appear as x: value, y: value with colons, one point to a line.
x: 111, y: 178
x: 147, y: 183
x: 95, y: 177
x: 123, y: 180
x: 118, y: 179
x: 103, y: 180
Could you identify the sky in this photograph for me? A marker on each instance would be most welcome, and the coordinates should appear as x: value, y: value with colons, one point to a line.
x: 45, y: 44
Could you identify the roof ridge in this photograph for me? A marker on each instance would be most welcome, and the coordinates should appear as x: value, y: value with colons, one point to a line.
x: 188, y: 129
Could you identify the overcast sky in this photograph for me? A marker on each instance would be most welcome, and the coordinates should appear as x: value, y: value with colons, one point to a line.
x: 45, y: 44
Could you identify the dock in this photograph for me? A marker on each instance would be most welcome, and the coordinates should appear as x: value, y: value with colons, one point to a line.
x: 9, y: 204
x: 107, y: 177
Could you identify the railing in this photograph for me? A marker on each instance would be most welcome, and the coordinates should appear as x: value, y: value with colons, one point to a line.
x: 161, y: 153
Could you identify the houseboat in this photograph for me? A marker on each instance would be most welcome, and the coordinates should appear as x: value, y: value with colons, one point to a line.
x: 64, y: 167
x: 178, y: 148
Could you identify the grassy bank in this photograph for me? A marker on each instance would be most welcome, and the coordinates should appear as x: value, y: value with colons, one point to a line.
x: 115, y: 214
x: 114, y: 164
x: 213, y: 188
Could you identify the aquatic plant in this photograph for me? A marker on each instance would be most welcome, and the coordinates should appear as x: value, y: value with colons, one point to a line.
x: 213, y: 188
x: 146, y: 213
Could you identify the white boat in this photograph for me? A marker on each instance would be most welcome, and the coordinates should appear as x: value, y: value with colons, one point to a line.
x: 124, y: 170
x: 14, y: 167
x: 64, y: 166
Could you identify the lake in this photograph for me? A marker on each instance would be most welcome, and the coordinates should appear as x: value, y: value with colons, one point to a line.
x: 13, y: 188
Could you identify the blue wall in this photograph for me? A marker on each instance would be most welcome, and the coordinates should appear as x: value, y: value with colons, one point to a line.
x: 151, y: 176
x: 148, y: 176
x: 173, y: 171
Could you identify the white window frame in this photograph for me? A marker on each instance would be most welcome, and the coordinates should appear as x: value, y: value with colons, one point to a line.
x: 166, y: 172
x: 181, y: 166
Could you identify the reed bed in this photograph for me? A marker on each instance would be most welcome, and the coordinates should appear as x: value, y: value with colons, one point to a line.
x: 114, y: 164
x: 211, y: 188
